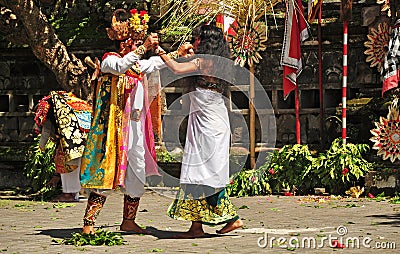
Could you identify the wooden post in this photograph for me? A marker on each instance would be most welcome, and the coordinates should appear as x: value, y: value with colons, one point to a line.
x: 297, y: 112
x: 320, y: 81
x: 252, y: 120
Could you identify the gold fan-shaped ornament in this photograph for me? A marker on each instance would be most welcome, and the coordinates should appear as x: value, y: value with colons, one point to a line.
x: 247, y: 43
x: 385, y: 6
x: 377, y: 44
x: 386, y: 135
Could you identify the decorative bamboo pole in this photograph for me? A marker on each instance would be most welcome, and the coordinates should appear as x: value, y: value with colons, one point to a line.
x: 344, y: 84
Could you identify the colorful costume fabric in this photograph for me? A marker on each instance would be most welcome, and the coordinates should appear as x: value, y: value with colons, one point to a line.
x: 211, y: 209
x: 105, y: 159
x: 70, y: 117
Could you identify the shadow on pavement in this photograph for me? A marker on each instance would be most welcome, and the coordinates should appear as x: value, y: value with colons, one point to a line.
x: 160, y: 234
x: 393, y: 219
x: 168, y: 234
x: 63, y: 232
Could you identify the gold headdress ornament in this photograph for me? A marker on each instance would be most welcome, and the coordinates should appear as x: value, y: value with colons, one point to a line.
x: 135, y: 27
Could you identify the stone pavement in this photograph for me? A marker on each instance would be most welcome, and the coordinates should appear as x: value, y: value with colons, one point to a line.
x: 29, y: 227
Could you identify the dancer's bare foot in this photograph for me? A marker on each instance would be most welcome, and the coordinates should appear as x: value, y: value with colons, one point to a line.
x: 130, y: 225
x: 231, y: 226
x: 190, y: 234
x: 88, y: 230
x: 195, y: 231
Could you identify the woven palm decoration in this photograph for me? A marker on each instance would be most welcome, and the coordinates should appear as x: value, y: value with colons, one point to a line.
x: 386, y: 135
x: 377, y: 44
x: 247, y: 42
x: 250, y: 33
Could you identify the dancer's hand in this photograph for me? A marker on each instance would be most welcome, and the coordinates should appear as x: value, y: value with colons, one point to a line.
x: 186, y: 50
x: 151, y: 41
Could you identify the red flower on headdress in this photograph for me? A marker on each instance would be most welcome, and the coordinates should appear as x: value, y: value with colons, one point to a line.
x: 133, y: 11
x: 345, y: 171
x: 142, y: 13
x: 271, y: 171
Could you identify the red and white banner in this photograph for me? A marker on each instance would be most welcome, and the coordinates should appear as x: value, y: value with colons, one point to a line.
x: 224, y: 22
x: 295, y: 33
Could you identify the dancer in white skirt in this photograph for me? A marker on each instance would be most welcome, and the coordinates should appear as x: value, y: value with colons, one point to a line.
x: 205, y: 166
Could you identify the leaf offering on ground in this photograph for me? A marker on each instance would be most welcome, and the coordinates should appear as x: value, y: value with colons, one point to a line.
x: 100, y: 237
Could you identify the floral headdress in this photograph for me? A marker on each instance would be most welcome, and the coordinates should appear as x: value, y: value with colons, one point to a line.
x: 135, y: 27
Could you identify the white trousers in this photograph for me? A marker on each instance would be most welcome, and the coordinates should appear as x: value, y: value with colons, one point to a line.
x: 70, y: 182
x: 135, y: 173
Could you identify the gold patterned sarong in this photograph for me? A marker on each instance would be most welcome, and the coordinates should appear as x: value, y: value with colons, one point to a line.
x: 100, y: 160
x: 208, y: 209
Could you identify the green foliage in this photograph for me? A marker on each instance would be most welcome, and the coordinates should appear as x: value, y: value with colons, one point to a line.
x: 177, y: 26
x: 341, y: 164
x: 289, y: 167
x: 295, y: 168
x: 248, y: 183
x: 100, y: 237
x: 40, y: 167
x: 71, y: 31
x: 395, y: 199
x: 165, y: 156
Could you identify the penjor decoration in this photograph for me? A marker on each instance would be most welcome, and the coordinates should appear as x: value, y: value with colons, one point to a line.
x: 377, y: 44
x: 386, y: 135
x: 250, y: 33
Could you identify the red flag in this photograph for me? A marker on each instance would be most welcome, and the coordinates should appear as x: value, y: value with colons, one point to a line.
x: 219, y: 21
x: 295, y: 33
x: 226, y: 22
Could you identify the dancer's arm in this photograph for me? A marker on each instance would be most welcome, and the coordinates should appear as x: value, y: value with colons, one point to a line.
x: 157, y: 63
x: 179, y: 68
x: 115, y: 64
